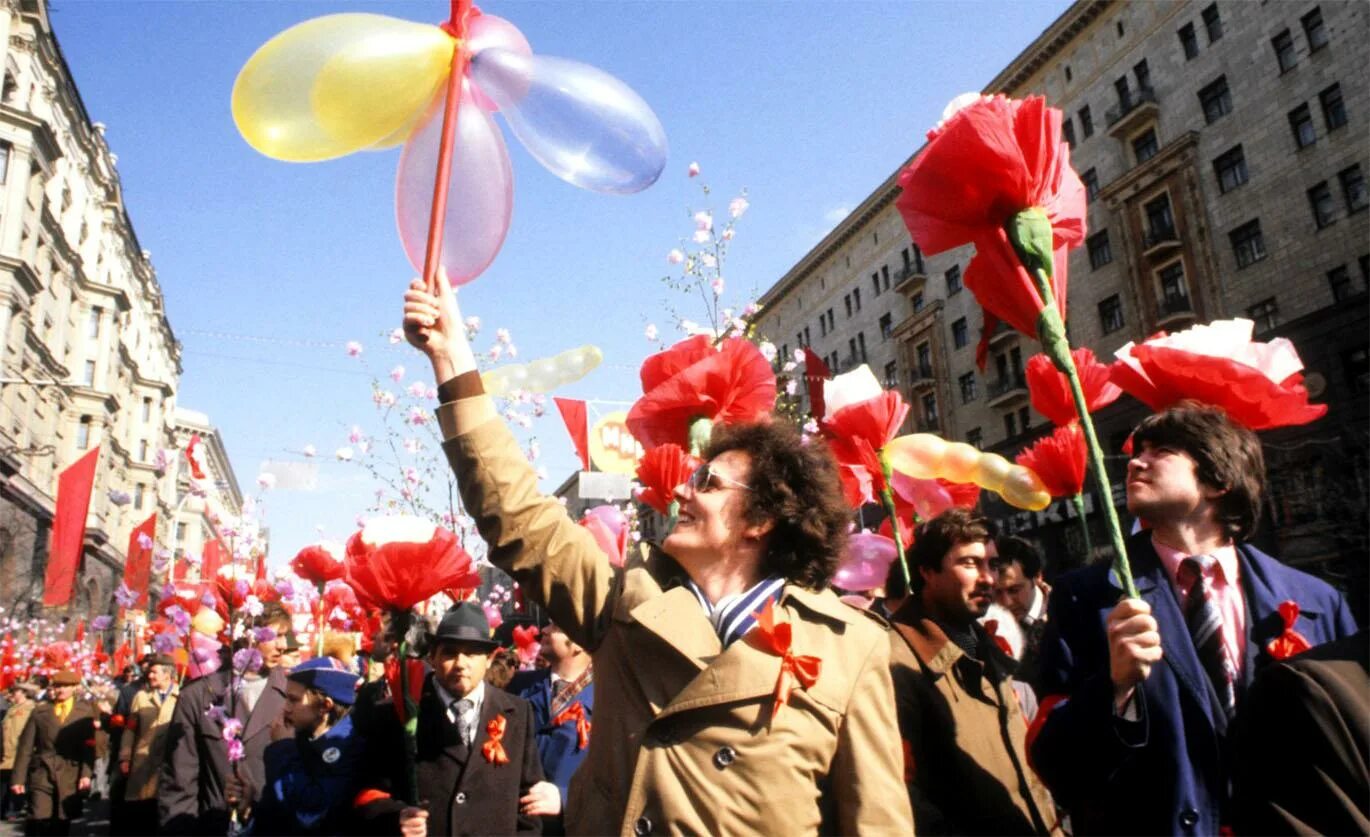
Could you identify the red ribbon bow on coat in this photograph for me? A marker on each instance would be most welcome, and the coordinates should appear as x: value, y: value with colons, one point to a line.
x: 493, y: 748
x: 1290, y: 641
x: 776, y: 638
x: 576, y: 712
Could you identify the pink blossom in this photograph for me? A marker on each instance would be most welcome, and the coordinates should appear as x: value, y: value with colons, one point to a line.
x: 417, y: 416
x: 496, y: 352
x: 791, y: 387
x: 431, y: 393
x: 397, y: 374
x: 356, y: 435
x: 383, y: 398
x: 650, y: 332
x: 708, y: 260
x: 728, y: 234
x: 513, y: 350
x: 502, y: 336
x: 354, y: 349
x: 798, y: 355
x: 144, y: 541
x: 751, y: 309
x: 768, y: 350
x: 704, y: 220
x: 789, y: 366
x: 411, y: 475
x: 118, y: 497
x: 675, y: 257
x: 737, y: 206
x: 412, y: 445
x: 702, y: 236
x: 472, y: 325
x: 416, y: 390
x: 534, y: 450
x: 363, y: 447
x: 693, y: 170
x: 396, y: 336
x: 717, y: 285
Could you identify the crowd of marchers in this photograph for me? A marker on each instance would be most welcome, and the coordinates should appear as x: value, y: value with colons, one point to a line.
x: 718, y: 683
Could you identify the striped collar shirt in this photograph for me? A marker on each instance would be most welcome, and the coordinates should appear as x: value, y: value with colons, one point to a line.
x: 734, y: 615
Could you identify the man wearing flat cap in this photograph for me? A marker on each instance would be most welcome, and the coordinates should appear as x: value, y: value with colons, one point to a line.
x: 55, y: 759
x: 21, y: 697
x: 477, y: 754
x: 143, y: 746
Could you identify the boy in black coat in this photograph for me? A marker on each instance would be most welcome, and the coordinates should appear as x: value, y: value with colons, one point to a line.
x: 477, y: 754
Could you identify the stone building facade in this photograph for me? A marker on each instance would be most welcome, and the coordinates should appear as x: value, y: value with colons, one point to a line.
x: 1223, y: 146
x: 87, y: 354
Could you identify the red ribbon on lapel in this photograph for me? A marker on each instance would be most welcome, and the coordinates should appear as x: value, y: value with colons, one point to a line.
x: 576, y: 712
x: 776, y: 638
x: 1290, y: 641
x: 493, y: 749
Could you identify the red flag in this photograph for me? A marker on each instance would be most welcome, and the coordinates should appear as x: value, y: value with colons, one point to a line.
x: 80, y: 636
x: 193, y: 454
x: 138, y: 567
x: 261, y: 567
x: 573, y: 413
x: 209, y: 562
x: 69, y: 528
x: 815, y: 373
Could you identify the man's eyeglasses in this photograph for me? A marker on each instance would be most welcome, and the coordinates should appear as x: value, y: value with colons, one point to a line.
x: 705, y: 478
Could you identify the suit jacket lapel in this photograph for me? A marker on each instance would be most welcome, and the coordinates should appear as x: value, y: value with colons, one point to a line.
x: 1263, y: 622
x: 1153, y: 585
x: 269, y: 704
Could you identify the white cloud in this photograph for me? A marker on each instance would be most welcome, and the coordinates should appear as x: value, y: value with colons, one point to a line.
x: 834, y: 216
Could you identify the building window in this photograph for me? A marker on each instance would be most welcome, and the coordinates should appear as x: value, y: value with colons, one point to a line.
x: 1142, y: 73
x: 1100, y: 252
x: 93, y: 324
x: 1119, y: 26
x: 954, y: 280
x: 1314, y: 30
x: 1320, y: 200
x: 1263, y: 314
x: 930, y: 409
x: 886, y: 326
x: 1356, y: 362
x: 924, y: 359
x: 1091, y: 180
x: 846, y: 300
x: 832, y: 323
x: 967, y: 384
x: 180, y: 533
x: 1333, y: 108
x: 1216, y: 100
x: 884, y: 282
x: 1247, y: 244
x: 784, y: 356
x: 1301, y: 123
x: 138, y: 492
x: 1086, y: 123
x: 1230, y: 166
x: 1145, y: 147
x: 1068, y: 129
x: 891, y: 375
x: 1213, y: 24
x: 1284, y: 51
x: 856, y: 299
x: 1111, y: 314
x: 4, y: 161
x: 1339, y: 279
x: 1353, y: 189
x: 1068, y: 74
x: 799, y: 339
x: 861, y: 344
x: 1010, y: 425
x: 875, y: 283
x: 1024, y: 418
x: 88, y: 374
x: 974, y: 438
x: 960, y: 334
x: 1174, y: 292
x: 147, y: 408
x: 1189, y: 41
x: 1160, y: 223
x: 142, y: 450
x: 83, y: 433
x: 917, y: 302
x: 822, y: 327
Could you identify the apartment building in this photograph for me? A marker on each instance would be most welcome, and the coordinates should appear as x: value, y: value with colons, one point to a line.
x: 1223, y: 148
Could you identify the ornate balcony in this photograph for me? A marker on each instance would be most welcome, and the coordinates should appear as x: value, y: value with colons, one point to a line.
x: 910, y: 278
x: 1160, y: 240
x: 1133, y: 110
x: 1173, y: 309
x: 1007, y: 389
x: 921, y: 377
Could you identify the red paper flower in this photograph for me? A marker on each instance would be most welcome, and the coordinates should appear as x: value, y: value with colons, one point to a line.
x: 414, y: 676
x: 319, y: 563
x: 526, y: 642
x: 660, y: 470
x: 876, y: 420
x: 859, y: 418
x: 692, y: 380
x: 1050, y: 391
x: 990, y: 160
x: 493, y: 748
x: 1258, y: 385
x: 963, y: 494
x: 396, y: 562
x: 1059, y: 459
x: 340, y: 605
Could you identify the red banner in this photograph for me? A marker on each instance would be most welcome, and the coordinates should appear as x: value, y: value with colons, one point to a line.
x: 573, y: 413
x: 138, y: 567
x: 69, y: 529
x: 209, y: 562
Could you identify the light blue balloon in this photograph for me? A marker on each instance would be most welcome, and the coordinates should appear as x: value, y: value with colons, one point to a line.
x: 582, y: 124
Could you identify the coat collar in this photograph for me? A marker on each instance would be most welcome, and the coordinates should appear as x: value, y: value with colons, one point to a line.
x: 934, y: 649
x: 269, y: 705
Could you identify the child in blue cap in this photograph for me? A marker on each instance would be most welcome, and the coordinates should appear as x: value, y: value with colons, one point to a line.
x: 309, y: 774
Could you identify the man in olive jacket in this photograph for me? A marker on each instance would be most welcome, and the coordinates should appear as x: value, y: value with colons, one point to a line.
x: 689, y: 735
x: 55, y: 760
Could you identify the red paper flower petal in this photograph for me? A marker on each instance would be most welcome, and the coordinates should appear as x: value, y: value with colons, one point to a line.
x: 875, y: 420
x: 1050, y: 391
x: 1245, y: 393
x: 400, y: 574
x: 691, y: 381
x: 660, y: 470
x: 317, y: 565
x: 1059, y: 459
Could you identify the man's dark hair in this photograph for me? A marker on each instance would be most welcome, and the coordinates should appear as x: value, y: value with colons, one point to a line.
x: 1228, y: 456
x: 795, y: 484
x: 273, y: 613
x: 1016, y: 549
x: 935, y: 538
x: 895, y: 586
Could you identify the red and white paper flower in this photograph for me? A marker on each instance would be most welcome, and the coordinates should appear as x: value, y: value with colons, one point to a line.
x: 396, y: 562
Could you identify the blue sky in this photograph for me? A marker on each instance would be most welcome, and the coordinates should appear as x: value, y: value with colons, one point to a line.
x: 269, y: 268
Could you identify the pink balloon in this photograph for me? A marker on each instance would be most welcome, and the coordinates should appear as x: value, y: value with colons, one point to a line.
x: 493, y: 615
x: 928, y: 497
x: 204, y: 655
x: 486, y: 32
x: 865, y: 563
x: 609, y: 528
x: 480, y: 194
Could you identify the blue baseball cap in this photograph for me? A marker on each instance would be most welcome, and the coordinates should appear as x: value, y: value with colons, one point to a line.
x: 328, y: 675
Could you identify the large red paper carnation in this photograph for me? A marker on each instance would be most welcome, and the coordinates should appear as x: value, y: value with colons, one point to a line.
x: 1059, y: 460
x: 876, y: 420
x: 859, y: 418
x: 693, y: 380
x: 660, y: 470
x: 1050, y: 390
x: 319, y: 563
x: 1258, y: 385
x: 991, y: 159
x: 394, y: 563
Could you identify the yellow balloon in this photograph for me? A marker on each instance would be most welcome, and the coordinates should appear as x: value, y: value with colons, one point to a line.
x: 544, y: 374
x: 1024, y: 489
x: 919, y: 455
x: 961, y: 464
x: 926, y: 456
x: 338, y: 84
x: 207, y: 622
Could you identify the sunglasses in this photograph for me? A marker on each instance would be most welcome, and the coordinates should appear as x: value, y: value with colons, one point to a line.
x: 705, y: 478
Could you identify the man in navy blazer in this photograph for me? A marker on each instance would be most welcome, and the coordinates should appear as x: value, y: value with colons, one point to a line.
x: 563, y: 697
x: 1132, y: 735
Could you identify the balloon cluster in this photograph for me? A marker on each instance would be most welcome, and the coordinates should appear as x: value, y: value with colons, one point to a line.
x: 544, y: 374
x: 925, y: 456
x: 343, y: 83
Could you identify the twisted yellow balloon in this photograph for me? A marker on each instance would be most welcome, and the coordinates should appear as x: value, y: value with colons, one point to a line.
x: 925, y: 456
x: 544, y: 374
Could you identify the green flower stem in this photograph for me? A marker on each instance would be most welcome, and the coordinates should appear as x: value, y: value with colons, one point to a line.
x: 887, y: 499
x: 1078, y: 501
x: 1051, y: 332
x: 411, y: 711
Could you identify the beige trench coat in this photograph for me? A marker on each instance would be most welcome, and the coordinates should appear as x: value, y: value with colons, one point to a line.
x: 144, y: 742
x: 684, y: 741
x: 13, y: 727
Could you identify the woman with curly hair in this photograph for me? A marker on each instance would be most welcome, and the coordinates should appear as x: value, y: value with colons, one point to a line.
x: 735, y: 692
